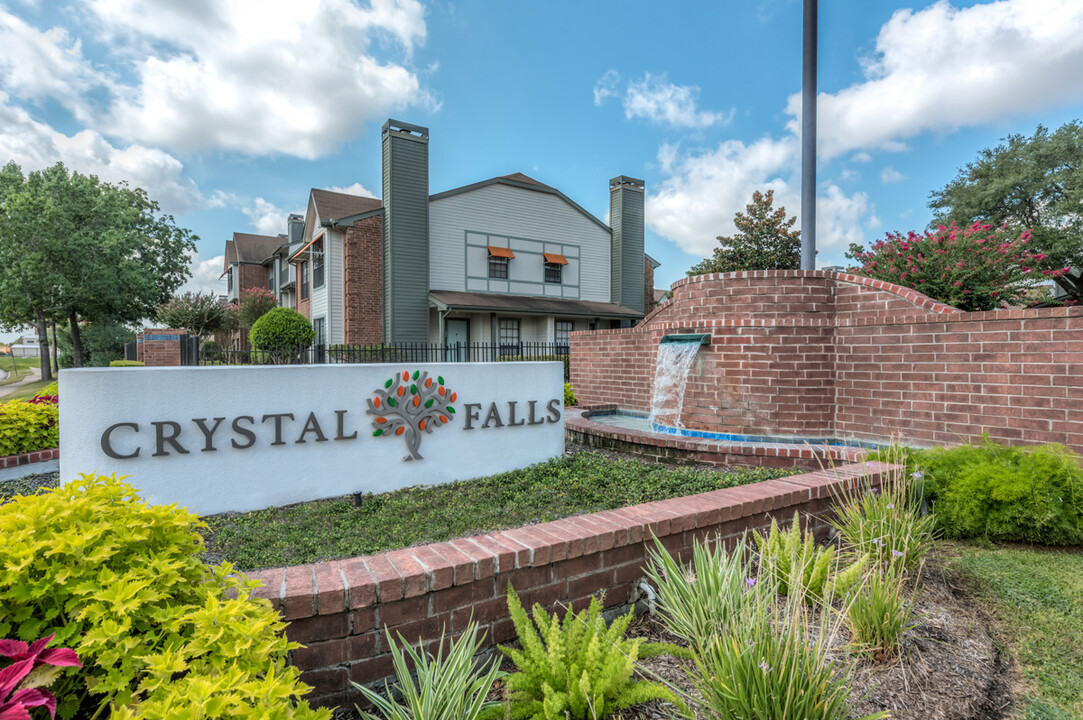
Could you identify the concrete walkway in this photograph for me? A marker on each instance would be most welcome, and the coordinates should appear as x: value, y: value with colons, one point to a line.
x: 34, y: 376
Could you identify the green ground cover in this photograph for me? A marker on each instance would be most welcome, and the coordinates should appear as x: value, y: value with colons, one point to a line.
x: 1036, y: 594
x: 350, y: 526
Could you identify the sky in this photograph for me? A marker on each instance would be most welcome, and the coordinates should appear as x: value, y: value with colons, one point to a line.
x: 227, y: 113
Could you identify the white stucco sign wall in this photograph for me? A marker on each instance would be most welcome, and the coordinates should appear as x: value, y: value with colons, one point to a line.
x: 217, y: 439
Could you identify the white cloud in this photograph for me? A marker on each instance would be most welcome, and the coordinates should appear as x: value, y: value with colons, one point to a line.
x: 848, y: 174
x: 606, y: 87
x: 34, y: 145
x: 354, y: 189
x: 259, y: 77
x: 656, y: 99
x: 266, y: 217
x: 37, y: 64
x: 935, y: 69
x: 205, y: 275
x: 890, y: 175
x: 942, y: 68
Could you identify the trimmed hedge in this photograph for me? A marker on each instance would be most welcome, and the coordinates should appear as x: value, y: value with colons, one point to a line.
x: 125, y: 363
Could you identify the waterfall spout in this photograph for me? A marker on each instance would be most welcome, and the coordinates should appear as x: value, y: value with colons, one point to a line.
x: 670, y: 377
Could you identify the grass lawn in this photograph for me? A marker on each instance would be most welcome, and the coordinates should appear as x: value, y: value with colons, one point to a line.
x: 1037, y: 597
x: 25, y: 392
x: 349, y: 526
x: 22, y: 366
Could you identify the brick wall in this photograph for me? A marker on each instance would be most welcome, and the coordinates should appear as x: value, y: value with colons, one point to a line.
x: 822, y: 353
x: 363, y: 282
x: 156, y: 351
x: 648, y: 286
x: 341, y: 609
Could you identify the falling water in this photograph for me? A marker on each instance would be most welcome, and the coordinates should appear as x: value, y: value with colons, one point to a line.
x: 670, y: 377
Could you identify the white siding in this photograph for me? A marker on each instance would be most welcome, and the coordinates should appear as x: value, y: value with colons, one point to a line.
x: 529, y: 222
x: 336, y: 320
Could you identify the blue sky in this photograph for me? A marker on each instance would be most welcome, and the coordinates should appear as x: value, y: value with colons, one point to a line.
x: 227, y: 113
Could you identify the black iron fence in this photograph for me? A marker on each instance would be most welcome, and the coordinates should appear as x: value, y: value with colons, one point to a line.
x: 396, y: 353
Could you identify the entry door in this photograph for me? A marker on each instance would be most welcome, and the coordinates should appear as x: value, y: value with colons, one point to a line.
x: 457, y: 337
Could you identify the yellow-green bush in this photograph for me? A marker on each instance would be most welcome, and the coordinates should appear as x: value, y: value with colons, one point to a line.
x: 159, y: 632
x: 50, y: 390
x: 569, y: 396
x: 28, y: 426
x: 125, y: 363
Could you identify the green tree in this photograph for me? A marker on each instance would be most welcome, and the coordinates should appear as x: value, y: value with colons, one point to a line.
x: 198, y: 313
x: 98, y: 252
x: 253, y: 304
x: 1034, y: 184
x: 765, y: 240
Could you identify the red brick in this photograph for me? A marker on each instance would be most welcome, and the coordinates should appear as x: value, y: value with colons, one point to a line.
x: 330, y: 591
x: 318, y: 627
x: 388, y: 580
x: 439, y: 572
x: 361, y: 587
x: 412, y: 573
x: 298, y: 601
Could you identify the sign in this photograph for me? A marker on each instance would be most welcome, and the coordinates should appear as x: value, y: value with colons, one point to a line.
x: 237, y: 438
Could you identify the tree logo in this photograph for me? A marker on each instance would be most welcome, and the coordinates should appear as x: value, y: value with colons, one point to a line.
x: 409, y: 405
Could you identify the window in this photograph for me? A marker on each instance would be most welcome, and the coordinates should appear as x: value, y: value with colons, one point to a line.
x: 509, y: 337
x: 271, y: 279
x: 553, y: 273
x: 229, y: 280
x: 498, y: 262
x: 317, y: 325
x: 317, y: 263
x: 304, y: 281
x: 498, y: 268
x: 564, y: 328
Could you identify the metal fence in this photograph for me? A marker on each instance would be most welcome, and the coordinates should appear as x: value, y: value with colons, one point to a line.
x: 396, y: 353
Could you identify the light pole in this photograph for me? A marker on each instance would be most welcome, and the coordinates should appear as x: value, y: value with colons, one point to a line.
x: 808, y: 140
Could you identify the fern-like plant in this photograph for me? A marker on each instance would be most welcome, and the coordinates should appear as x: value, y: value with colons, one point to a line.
x: 794, y: 559
x: 447, y: 688
x: 577, y: 669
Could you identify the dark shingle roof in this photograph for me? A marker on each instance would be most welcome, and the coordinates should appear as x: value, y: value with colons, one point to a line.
x: 332, y: 205
x: 493, y: 302
x: 521, y: 178
x: 252, y: 248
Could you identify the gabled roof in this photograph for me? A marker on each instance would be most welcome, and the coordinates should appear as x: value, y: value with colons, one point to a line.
x: 519, y: 180
x: 252, y: 249
x: 332, y: 205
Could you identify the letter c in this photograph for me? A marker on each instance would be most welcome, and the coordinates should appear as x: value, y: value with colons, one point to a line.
x: 107, y: 444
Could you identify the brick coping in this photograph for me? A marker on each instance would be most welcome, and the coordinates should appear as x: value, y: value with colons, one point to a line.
x: 337, y: 586
x: 578, y: 419
x: 29, y: 458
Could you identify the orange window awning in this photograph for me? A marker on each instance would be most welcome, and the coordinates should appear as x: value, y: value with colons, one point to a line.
x: 500, y: 252
x: 555, y: 259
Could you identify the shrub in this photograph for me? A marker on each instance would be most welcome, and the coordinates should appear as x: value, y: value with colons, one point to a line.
x: 695, y: 603
x: 886, y: 524
x: 281, y: 328
x: 1002, y: 493
x: 772, y: 662
x: 576, y: 668
x: 126, y: 363
x: 158, y: 631
x: 569, y: 396
x: 978, y: 268
x: 28, y: 426
x: 878, y: 611
x: 253, y: 304
x: 198, y: 313
x: 445, y: 689
x: 50, y: 390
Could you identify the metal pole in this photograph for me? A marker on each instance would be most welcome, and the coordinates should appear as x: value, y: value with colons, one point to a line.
x: 808, y: 141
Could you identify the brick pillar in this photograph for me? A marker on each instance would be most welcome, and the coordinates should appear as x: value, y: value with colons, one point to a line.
x: 161, y: 348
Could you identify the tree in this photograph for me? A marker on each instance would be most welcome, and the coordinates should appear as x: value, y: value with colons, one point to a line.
x: 1031, y: 184
x: 765, y: 240
x: 253, y: 304
x: 85, y: 250
x: 198, y: 313
x: 979, y: 268
x: 281, y: 333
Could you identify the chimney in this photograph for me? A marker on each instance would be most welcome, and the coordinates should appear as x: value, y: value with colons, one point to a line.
x: 295, y: 228
x: 405, y: 232
x: 626, y: 248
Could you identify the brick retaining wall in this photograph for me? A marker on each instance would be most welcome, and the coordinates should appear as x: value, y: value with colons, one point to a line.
x: 29, y: 458
x: 821, y: 353
x: 340, y: 609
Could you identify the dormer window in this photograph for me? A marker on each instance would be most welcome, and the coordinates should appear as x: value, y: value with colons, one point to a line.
x: 554, y: 268
x: 498, y: 262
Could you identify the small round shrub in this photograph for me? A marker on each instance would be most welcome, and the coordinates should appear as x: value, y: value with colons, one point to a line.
x: 125, y: 363
x: 1003, y: 493
x: 281, y: 328
x: 159, y: 632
